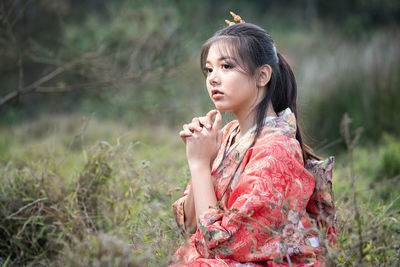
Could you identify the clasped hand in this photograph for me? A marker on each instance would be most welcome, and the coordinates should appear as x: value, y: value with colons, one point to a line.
x: 202, y: 138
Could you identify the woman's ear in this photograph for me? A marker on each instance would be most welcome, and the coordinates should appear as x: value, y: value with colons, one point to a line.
x: 264, y: 76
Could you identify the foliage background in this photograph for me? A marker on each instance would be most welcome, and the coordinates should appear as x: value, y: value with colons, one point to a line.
x: 90, y: 159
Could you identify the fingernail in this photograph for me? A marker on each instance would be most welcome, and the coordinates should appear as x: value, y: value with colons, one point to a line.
x: 199, y: 128
x: 208, y: 126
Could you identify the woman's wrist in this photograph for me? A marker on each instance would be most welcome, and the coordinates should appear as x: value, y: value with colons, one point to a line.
x: 199, y: 165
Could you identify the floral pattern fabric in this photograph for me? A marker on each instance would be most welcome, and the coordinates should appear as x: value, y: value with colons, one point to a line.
x: 321, y: 207
x: 262, y: 218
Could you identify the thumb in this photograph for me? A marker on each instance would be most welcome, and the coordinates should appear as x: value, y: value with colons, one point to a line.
x: 219, y: 138
x: 211, y: 113
x: 217, y: 122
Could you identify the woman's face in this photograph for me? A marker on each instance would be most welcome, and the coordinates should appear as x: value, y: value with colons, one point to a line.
x: 228, y: 86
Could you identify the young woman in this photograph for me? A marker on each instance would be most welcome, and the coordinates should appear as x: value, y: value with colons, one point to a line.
x: 247, y: 198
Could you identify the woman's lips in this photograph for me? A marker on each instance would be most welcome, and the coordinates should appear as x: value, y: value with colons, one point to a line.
x: 216, y: 94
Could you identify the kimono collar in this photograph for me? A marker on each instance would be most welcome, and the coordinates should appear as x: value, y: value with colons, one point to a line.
x: 284, y: 123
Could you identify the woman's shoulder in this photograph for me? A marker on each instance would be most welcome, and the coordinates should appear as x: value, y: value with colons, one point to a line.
x: 276, y: 140
x: 278, y: 145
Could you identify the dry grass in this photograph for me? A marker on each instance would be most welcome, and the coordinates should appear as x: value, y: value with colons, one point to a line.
x: 108, y: 202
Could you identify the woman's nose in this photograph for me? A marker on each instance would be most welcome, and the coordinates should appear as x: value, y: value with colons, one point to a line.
x: 214, y: 78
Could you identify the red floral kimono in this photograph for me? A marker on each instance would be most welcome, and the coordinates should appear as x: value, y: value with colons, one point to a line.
x: 262, y: 218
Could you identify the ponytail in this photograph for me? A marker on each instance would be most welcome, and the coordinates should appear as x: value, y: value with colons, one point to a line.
x: 282, y: 93
x: 286, y: 93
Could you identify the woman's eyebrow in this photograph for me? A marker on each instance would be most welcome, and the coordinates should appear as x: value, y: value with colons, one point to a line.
x: 221, y: 59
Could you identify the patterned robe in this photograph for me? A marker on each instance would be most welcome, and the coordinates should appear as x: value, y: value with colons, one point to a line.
x: 261, y: 219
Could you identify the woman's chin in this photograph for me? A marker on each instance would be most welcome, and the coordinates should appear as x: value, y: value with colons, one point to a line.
x: 221, y: 107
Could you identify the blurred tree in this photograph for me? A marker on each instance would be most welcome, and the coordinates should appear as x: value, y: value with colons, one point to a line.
x: 98, y: 54
x: 64, y: 45
x: 357, y: 16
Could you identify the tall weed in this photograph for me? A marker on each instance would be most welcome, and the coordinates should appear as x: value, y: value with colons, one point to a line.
x: 369, y: 228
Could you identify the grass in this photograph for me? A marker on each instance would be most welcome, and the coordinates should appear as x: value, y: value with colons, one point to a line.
x: 103, y: 197
x: 369, y: 223
x: 87, y: 201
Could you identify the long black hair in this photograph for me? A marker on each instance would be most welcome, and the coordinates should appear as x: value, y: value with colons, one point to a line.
x: 252, y: 47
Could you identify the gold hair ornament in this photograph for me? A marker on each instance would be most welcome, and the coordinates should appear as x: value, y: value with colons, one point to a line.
x: 237, y: 18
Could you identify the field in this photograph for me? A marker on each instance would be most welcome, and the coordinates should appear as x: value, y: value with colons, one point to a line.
x: 79, y: 191
x: 91, y: 160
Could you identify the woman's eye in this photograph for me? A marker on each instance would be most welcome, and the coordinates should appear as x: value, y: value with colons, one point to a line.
x: 207, y: 70
x: 226, y: 66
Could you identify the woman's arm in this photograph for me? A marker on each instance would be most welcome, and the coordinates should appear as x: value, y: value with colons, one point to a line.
x: 204, y: 192
x: 201, y: 148
x: 200, y: 167
x: 202, y: 187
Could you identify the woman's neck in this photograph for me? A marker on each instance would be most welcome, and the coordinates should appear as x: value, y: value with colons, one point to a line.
x: 246, y: 121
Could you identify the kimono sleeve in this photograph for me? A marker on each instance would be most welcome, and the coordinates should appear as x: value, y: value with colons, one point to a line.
x: 178, y: 209
x: 271, y: 193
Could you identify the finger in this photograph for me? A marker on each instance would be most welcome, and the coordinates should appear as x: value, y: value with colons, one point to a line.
x: 183, y: 137
x: 211, y: 113
x: 185, y: 133
x: 217, y: 122
x: 195, y: 125
x: 219, y: 138
x: 206, y: 122
x: 187, y: 130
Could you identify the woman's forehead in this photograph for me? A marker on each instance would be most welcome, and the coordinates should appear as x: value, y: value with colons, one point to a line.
x: 222, y: 49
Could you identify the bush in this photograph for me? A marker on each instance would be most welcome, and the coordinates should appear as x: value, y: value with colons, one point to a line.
x: 116, y: 210
x: 389, y: 159
x: 368, y: 228
x: 29, y: 211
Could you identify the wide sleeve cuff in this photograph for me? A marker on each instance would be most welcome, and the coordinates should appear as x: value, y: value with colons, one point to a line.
x: 212, y: 231
x: 178, y: 209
